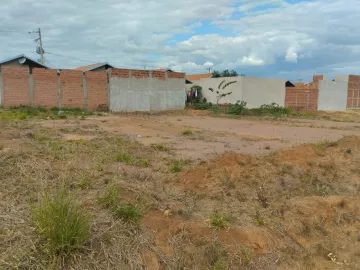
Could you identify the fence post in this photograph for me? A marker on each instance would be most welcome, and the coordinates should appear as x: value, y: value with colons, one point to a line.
x: 31, y: 84
x: 109, y: 72
x: 85, y: 90
x: 59, y: 89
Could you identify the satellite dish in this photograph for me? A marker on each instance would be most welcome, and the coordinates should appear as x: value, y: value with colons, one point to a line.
x: 22, y: 60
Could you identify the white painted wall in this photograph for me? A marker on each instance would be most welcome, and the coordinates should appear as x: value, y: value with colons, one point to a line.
x: 235, y: 88
x: 342, y: 78
x: 332, y: 95
x: 260, y: 91
x: 255, y: 91
x: 133, y: 94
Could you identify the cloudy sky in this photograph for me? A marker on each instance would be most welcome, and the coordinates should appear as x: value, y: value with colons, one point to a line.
x: 290, y: 39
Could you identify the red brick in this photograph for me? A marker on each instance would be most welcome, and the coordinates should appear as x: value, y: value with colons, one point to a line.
x: 45, y: 87
x: 72, y: 88
x: 16, y: 85
x: 97, y: 93
x: 118, y: 72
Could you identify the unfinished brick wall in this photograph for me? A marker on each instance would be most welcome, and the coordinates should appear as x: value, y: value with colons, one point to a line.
x: 46, y: 87
x: 304, y: 97
x: 72, y: 89
x: 159, y: 75
x: 16, y: 85
x: 75, y: 89
x: 353, y: 101
x: 121, y: 73
x: 176, y: 75
x: 97, y: 92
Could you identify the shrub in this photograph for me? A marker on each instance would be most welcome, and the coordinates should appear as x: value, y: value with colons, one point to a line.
x: 274, y: 108
x: 61, y: 223
x: 128, y: 213
x: 219, y: 220
x: 238, y: 108
x: 202, y: 106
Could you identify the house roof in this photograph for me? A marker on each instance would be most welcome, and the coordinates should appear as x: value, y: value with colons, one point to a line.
x: 196, y: 77
x: 23, y: 59
x: 93, y: 66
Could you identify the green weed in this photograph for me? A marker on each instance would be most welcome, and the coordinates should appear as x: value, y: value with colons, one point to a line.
x: 128, y: 213
x: 219, y: 220
x: 187, y: 132
x: 111, y: 198
x: 61, y: 222
x: 175, y: 166
x: 129, y: 159
x: 160, y: 147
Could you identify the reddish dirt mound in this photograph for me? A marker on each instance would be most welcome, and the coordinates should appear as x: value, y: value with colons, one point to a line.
x: 211, y: 174
x: 198, y: 234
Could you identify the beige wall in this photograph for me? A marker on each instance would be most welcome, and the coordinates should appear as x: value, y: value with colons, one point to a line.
x: 255, y: 91
x: 260, y: 91
x: 235, y: 88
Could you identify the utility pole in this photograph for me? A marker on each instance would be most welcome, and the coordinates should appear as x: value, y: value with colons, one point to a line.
x: 39, y: 50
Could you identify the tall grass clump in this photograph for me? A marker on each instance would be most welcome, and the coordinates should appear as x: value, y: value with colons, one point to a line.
x: 60, y: 222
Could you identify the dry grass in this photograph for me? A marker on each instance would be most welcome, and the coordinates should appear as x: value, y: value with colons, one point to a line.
x: 281, y: 200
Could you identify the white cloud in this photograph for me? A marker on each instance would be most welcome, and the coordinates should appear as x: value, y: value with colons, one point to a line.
x: 252, y: 61
x: 296, y: 38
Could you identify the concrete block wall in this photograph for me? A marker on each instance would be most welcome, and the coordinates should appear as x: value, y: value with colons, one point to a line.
x: 332, y: 95
x: 143, y: 90
x: 260, y: 91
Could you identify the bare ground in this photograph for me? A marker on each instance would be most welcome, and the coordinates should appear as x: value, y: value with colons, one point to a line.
x: 290, y: 188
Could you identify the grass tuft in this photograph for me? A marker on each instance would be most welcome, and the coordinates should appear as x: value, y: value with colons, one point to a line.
x: 129, y: 159
x: 160, y: 147
x: 175, y: 166
x: 187, y: 132
x: 219, y: 220
x: 128, y: 213
x: 326, y: 144
x: 60, y: 221
x: 111, y: 197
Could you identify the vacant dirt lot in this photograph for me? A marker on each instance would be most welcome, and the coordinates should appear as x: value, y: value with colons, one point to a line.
x: 210, y: 136
x: 207, y: 193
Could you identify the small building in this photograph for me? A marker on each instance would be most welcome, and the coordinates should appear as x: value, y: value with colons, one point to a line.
x: 22, y: 60
x: 95, y: 67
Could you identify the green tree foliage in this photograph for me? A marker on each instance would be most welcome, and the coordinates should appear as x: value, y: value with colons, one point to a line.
x: 225, y: 73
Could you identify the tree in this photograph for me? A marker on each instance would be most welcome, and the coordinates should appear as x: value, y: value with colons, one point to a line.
x: 225, y: 73
x: 219, y: 93
x: 216, y: 74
